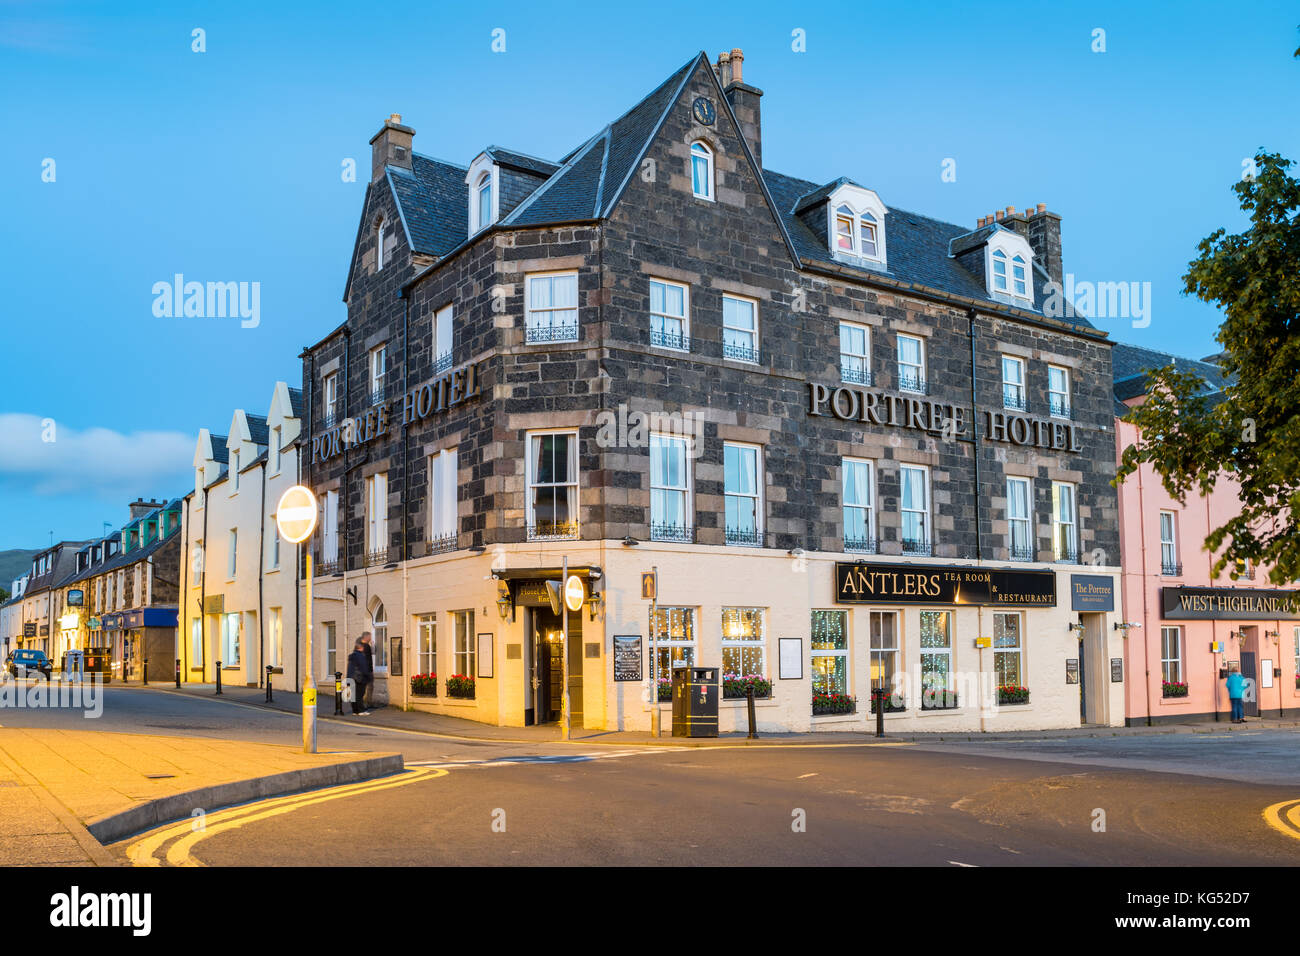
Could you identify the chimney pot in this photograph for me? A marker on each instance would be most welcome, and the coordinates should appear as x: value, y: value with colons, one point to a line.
x: 737, y: 65
x: 724, y: 69
x: 395, y: 118
x: 1011, y: 210
x: 999, y: 215
x: 979, y: 223
x: 1042, y: 207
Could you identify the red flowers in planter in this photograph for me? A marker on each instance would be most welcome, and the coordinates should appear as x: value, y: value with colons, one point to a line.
x: 425, y: 684
x: 1013, y: 694
x: 460, y: 685
x: 1173, y: 688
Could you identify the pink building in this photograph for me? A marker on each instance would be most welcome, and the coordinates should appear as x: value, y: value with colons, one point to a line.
x: 1193, y: 624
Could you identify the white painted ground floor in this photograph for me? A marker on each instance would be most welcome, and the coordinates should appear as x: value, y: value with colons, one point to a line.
x: 482, y: 625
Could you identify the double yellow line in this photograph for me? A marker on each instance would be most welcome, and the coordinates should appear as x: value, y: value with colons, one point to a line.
x: 188, y: 833
x: 1290, y: 826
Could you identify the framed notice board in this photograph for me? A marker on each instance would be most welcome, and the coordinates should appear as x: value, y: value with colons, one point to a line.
x: 627, y: 657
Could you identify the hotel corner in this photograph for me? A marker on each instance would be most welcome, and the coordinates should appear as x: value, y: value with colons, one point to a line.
x: 844, y: 434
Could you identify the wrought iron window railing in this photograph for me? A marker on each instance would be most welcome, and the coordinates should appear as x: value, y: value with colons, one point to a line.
x: 672, y: 532
x: 741, y: 353
x: 1171, y: 569
x: 745, y: 537
x: 670, y: 340
x: 1021, y: 552
x: 909, y: 382
x: 855, y: 376
x: 378, y: 394
x: 553, y: 531
x: 328, y: 421
x: 442, y: 542
x: 1014, y: 399
x: 376, y: 557
x: 442, y: 363
x: 860, y: 545
x: 916, y: 546
x: 540, y: 334
x: 1067, y: 553
x: 1058, y: 406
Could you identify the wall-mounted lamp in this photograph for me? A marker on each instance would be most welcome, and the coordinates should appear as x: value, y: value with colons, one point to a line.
x: 796, y: 552
x: 596, y: 603
x: 1274, y: 636
x: 478, y: 548
x: 1125, y: 626
x: 1076, y: 627
x: 630, y: 542
x: 352, y: 593
x: 503, y: 606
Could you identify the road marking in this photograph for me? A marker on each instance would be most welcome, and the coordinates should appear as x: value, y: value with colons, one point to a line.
x: 142, y: 852
x: 534, y: 759
x: 1291, y: 825
x: 805, y: 776
x: 969, y: 866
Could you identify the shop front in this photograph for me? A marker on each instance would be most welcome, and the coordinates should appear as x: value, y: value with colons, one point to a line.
x: 134, y: 636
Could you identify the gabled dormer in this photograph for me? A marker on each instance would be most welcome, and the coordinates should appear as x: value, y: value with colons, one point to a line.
x: 247, y: 440
x: 283, y: 424
x: 1002, y: 259
x: 852, y: 219
x: 484, y: 183
x: 210, y: 457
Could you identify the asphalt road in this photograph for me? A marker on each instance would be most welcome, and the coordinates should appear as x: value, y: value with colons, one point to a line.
x: 1082, y: 801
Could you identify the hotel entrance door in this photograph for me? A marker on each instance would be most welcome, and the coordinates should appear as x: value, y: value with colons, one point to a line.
x: 544, y: 695
x: 1250, y: 670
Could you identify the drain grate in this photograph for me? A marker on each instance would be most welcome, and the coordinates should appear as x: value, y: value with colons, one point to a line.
x: 159, y: 776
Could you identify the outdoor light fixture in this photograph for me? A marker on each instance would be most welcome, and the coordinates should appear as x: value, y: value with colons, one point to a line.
x: 1076, y: 627
x: 796, y: 552
x: 596, y: 603
x: 503, y: 606
x: 478, y: 548
x: 1126, y: 625
x: 630, y: 542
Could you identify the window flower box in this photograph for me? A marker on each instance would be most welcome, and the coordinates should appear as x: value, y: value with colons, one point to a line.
x: 938, y: 698
x: 737, y: 686
x: 424, y: 685
x: 833, y: 704
x: 1173, y: 688
x: 1013, y: 694
x: 665, y: 690
x: 458, y: 685
x: 1297, y: 681
x: 894, y: 704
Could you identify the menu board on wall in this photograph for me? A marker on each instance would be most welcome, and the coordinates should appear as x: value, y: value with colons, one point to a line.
x: 627, y: 657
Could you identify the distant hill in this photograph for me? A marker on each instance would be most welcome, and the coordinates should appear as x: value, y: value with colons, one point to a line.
x: 14, y: 563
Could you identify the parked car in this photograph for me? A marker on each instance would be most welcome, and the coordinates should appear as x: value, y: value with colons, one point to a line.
x: 25, y: 660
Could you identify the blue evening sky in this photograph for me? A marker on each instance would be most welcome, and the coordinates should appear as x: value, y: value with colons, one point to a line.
x: 225, y: 165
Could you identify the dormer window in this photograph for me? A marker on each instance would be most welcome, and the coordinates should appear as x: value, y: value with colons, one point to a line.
x: 701, y: 171
x: 856, y: 225
x: 483, y: 182
x: 1009, y: 262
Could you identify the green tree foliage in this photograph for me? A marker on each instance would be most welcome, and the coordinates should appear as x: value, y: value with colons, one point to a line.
x: 1251, y: 433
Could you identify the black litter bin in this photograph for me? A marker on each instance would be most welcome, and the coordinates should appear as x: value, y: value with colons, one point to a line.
x: 695, y: 702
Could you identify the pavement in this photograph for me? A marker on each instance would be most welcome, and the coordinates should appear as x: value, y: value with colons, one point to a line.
x: 65, y: 791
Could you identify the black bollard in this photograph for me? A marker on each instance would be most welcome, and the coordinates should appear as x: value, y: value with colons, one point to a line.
x: 753, y: 729
x: 146, y: 672
x: 878, y: 697
x: 178, y: 673
x: 218, y: 677
x: 338, y: 692
x: 268, y: 683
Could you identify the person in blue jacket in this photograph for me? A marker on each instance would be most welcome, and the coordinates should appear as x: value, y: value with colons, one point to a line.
x: 1236, y: 686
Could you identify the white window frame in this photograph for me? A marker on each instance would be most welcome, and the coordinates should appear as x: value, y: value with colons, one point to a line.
x: 742, y: 619
x: 738, y: 330
x: 677, y: 651
x: 376, y: 513
x: 379, y: 245
x: 465, y: 644
x: 1171, y: 665
x: 1017, y: 649
x: 865, y: 210
x: 483, y: 190
x: 330, y: 393
x: 927, y: 540
x: 663, y: 317
x: 850, y: 470
x: 1060, y: 409
x: 1069, y: 521
x: 848, y: 373
x: 701, y: 150
x: 832, y: 653
x: 1015, y: 394
x: 232, y: 559
x: 234, y: 472
x: 331, y: 648
x: 330, y: 527
x: 918, y: 385
x: 1012, y: 252
x: 443, y: 331
x: 275, y: 637
x: 544, y: 318
x: 928, y: 650
x: 230, y: 639
x: 1025, y: 520
x: 880, y: 652
x: 196, y: 642
x: 474, y: 181
x: 1168, y: 544
x: 443, y: 495
x: 426, y: 644
x: 273, y: 558
x: 756, y: 496
x: 274, y: 450
x: 379, y: 637
x: 378, y: 365
x: 662, y: 488
x: 574, y: 503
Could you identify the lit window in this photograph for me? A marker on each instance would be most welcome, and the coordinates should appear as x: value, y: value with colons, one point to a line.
x: 701, y: 171
x: 1008, y: 649
x: 855, y: 353
x: 739, y: 329
x: 465, y: 662
x: 936, y: 655
x: 426, y: 644
x: 552, y: 307
x: 885, y: 672
x: 674, y: 632
x: 743, y: 642
x: 552, y: 485
x: 829, y: 644
x: 844, y: 228
x: 743, y: 503
x: 669, y: 322
x: 859, y: 523
x: 670, y: 493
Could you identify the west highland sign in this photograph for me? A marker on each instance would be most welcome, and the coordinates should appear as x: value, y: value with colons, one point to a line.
x: 1228, y: 604
x: 434, y: 397
x: 863, y: 583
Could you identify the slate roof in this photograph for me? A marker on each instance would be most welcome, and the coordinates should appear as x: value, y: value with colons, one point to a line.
x: 126, y: 558
x: 1131, y: 364
x: 295, y: 402
x: 586, y: 185
x: 220, y: 453
x: 65, y: 560
x: 258, y: 432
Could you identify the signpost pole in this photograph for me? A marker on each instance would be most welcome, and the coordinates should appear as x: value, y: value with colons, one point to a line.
x: 309, y: 683
x: 295, y: 519
x: 564, y: 651
x: 654, y: 653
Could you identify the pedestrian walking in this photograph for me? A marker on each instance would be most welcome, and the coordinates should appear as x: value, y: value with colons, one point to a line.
x: 361, y: 674
x: 370, y: 660
x: 1236, y: 684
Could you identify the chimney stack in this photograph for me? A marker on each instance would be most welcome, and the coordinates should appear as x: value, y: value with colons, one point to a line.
x: 744, y: 99
x: 391, y: 146
x: 141, y: 507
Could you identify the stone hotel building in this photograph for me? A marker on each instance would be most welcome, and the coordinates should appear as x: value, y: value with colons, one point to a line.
x: 845, y: 436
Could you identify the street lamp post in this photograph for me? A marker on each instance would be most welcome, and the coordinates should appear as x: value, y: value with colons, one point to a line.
x: 295, y: 517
